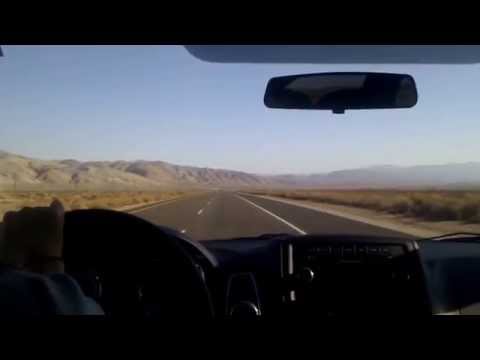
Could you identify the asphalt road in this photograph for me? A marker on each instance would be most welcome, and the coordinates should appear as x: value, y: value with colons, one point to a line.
x: 223, y: 215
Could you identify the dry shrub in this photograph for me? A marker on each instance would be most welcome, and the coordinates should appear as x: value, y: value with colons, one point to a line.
x: 470, y: 212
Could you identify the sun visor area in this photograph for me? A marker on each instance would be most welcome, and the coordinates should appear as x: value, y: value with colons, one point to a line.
x: 337, y: 54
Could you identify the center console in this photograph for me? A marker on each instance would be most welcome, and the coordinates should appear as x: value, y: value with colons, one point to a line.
x: 357, y: 276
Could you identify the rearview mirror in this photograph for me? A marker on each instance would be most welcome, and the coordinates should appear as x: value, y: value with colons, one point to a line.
x: 341, y: 91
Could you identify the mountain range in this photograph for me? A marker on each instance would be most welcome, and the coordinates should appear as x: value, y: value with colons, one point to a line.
x: 17, y: 170
x: 456, y: 175
x: 30, y: 173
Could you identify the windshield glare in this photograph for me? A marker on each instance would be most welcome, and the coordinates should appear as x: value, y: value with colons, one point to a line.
x: 190, y: 145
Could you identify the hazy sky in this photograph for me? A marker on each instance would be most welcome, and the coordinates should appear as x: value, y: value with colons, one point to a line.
x: 160, y: 103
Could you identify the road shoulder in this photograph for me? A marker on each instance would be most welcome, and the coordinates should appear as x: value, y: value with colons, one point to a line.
x: 144, y: 206
x: 405, y: 225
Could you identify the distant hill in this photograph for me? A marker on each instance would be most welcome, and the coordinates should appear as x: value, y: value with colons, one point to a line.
x: 70, y: 173
x: 30, y: 172
x: 463, y: 175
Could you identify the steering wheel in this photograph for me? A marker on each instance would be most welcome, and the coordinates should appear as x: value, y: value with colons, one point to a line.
x: 132, y: 267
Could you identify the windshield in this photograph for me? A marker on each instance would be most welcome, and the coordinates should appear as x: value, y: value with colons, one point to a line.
x: 187, y: 144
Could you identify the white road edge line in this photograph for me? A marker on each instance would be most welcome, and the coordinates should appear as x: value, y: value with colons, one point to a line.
x: 166, y: 202
x: 399, y: 229
x: 200, y: 212
x: 297, y: 229
x: 160, y: 203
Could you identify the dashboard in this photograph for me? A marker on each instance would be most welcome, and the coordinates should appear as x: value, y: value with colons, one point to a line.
x: 282, y: 276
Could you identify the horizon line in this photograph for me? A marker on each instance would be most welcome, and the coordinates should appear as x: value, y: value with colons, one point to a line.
x: 244, y: 171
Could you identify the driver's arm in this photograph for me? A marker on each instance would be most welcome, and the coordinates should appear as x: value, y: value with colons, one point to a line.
x: 32, y: 278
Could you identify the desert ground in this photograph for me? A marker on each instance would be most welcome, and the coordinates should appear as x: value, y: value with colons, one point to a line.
x: 120, y: 200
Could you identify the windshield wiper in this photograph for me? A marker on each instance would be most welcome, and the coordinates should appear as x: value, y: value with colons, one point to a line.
x: 457, y: 236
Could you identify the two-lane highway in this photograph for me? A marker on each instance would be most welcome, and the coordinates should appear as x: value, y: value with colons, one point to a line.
x: 222, y: 215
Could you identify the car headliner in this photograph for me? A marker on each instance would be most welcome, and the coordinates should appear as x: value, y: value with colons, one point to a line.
x: 338, y: 54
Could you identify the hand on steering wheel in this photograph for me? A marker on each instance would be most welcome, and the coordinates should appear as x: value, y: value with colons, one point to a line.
x: 126, y: 253
x: 32, y: 238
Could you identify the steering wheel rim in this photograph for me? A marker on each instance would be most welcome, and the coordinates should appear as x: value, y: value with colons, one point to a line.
x: 154, y: 277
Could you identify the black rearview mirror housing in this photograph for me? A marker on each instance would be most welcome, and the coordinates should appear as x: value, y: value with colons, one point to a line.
x: 341, y: 91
